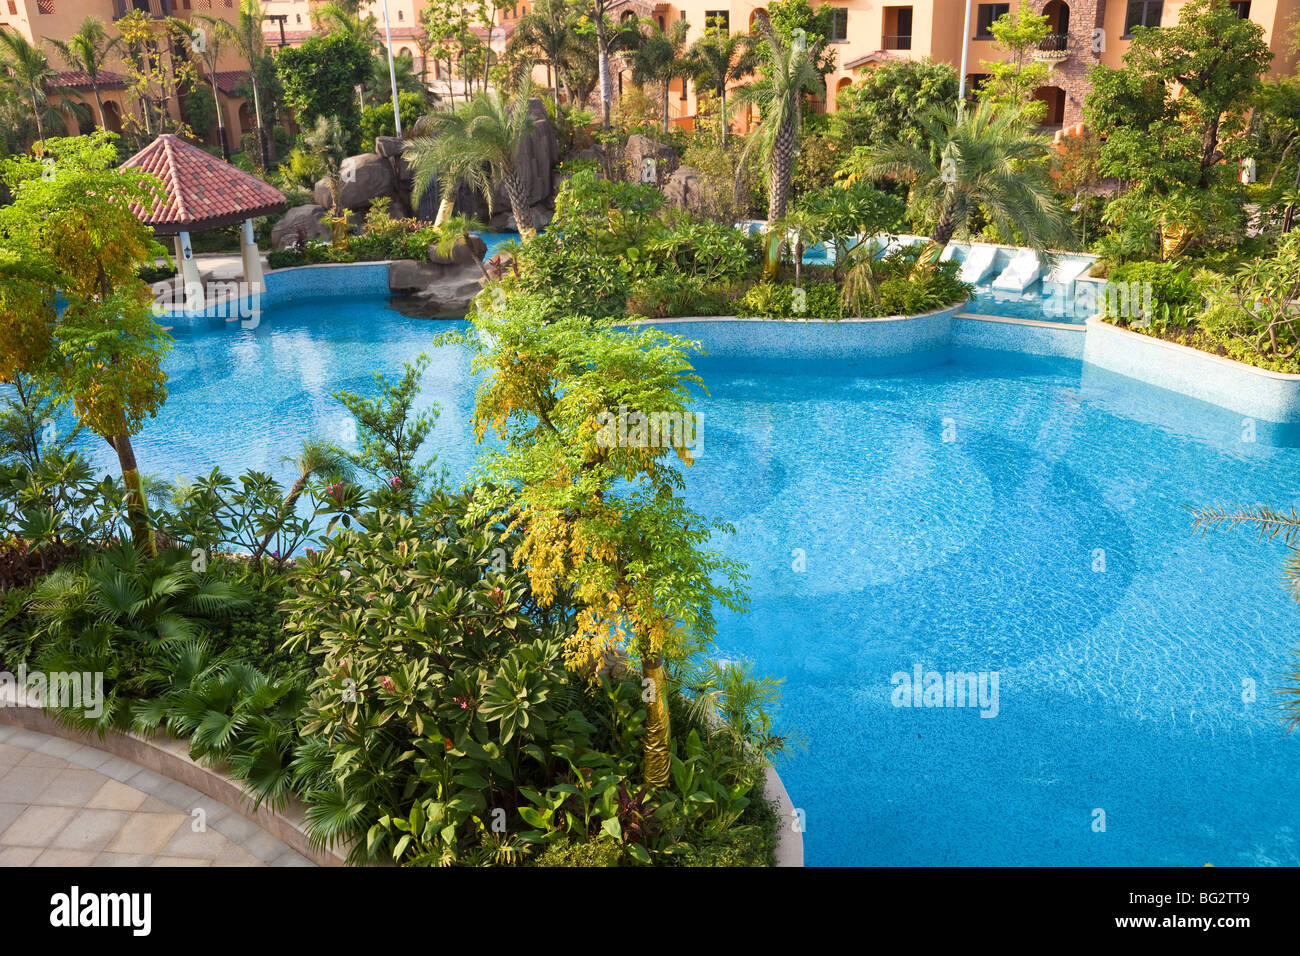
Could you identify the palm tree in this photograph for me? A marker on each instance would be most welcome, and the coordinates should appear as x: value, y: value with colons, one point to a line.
x: 983, y: 159
x: 788, y: 72
x: 717, y: 59
x: 477, y: 143
x: 245, y: 32
x: 328, y: 143
x: 313, y: 458
x: 456, y: 230
x: 28, y: 70
x: 336, y: 18
x: 662, y: 59
x: 87, y: 50
x: 210, y: 54
x: 546, y: 31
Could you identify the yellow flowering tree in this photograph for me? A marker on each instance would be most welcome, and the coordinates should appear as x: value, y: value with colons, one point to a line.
x: 595, y: 424
x: 70, y: 239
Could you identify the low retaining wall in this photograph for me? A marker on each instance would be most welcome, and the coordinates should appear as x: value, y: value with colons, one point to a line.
x: 1253, y: 392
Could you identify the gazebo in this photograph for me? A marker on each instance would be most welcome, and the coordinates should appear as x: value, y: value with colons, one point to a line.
x: 202, y: 192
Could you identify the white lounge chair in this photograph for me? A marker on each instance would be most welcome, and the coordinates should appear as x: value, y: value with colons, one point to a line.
x: 977, y: 264
x: 1020, y: 274
x: 1066, y: 271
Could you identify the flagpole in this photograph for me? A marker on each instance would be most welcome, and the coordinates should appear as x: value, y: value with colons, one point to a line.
x: 392, y: 71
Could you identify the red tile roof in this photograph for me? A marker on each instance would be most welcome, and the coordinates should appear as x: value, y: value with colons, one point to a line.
x: 202, y: 191
x: 79, y: 80
x: 228, y: 80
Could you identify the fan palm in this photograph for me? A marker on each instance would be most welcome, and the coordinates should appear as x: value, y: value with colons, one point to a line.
x: 983, y: 160
x: 662, y: 59
x: 789, y: 71
x: 87, y: 50
x: 477, y: 143
x: 28, y: 71
x: 456, y: 230
x: 716, y: 60
x: 336, y: 18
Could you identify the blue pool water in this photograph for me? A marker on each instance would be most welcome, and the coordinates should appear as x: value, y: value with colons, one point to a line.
x: 953, y: 518
x: 1034, y: 303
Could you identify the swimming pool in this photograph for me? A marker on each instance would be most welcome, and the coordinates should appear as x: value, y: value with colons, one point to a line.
x: 995, y: 513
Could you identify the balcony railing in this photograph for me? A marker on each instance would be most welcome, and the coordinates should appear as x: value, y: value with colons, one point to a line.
x: 156, y: 9
x: 900, y: 41
x: 1054, y: 46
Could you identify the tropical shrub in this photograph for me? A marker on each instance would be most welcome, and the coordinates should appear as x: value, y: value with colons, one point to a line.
x: 1177, y: 298
x: 782, y: 300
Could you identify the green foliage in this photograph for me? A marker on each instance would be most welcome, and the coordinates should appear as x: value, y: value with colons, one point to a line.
x: 1254, y: 314
x: 610, y: 248
x: 320, y: 78
x: 781, y: 300
x: 117, y: 616
x: 377, y: 118
x: 1177, y: 297
x: 390, y: 434
x: 890, y: 101
x: 1012, y: 81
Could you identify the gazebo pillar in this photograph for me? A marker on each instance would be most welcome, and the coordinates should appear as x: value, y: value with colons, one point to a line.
x: 191, y: 281
x: 252, y: 260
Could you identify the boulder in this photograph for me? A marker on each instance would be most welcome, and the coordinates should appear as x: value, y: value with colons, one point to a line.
x: 461, y: 254
x: 685, y: 188
x: 284, y: 234
x: 365, y: 178
x: 407, y: 275
x: 640, y: 151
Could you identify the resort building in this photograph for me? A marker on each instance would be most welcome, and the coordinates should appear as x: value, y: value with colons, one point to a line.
x: 865, y: 35
x: 40, y: 20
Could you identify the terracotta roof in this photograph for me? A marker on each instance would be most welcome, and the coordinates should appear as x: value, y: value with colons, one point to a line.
x: 228, y: 80
x: 202, y: 191
x: 79, y: 80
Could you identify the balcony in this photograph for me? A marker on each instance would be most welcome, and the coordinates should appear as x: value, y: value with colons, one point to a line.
x: 1053, y: 48
x: 899, y: 41
x: 156, y: 9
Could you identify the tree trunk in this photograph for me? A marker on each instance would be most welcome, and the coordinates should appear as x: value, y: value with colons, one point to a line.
x: 36, y: 111
x: 945, y: 227
x: 257, y: 112
x: 286, y: 509
x: 778, y: 192
x: 136, y: 504
x: 221, y: 121
x: 606, y: 85
x: 1209, y: 147
x: 523, y: 214
x: 446, y: 205
x: 99, y: 105
x: 723, y: 116
x: 666, y: 82
x: 657, y: 741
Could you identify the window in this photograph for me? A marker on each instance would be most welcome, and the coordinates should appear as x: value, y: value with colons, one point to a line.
x: 297, y: 18
x: 44, y: 6
x: 13, y: 8
x: 840, y: 25
x: 721, y: 19
x: 400, y: 16
x: 986, y: 15
x: 898, y: 29
x: 1142, y: 13
x: 1241, y: 8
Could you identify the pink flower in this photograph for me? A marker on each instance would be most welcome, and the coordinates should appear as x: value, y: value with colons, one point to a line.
x: 388, y: 684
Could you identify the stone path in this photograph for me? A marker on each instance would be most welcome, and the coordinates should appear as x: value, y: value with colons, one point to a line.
x: 67, y: 804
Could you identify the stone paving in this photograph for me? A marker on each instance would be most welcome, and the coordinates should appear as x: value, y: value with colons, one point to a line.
x: 67, y: 804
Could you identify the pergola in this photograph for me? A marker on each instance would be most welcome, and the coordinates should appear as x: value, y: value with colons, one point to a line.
x: 202, y: 192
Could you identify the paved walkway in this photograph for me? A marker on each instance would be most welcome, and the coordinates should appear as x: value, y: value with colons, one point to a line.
x: 66, y: 804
